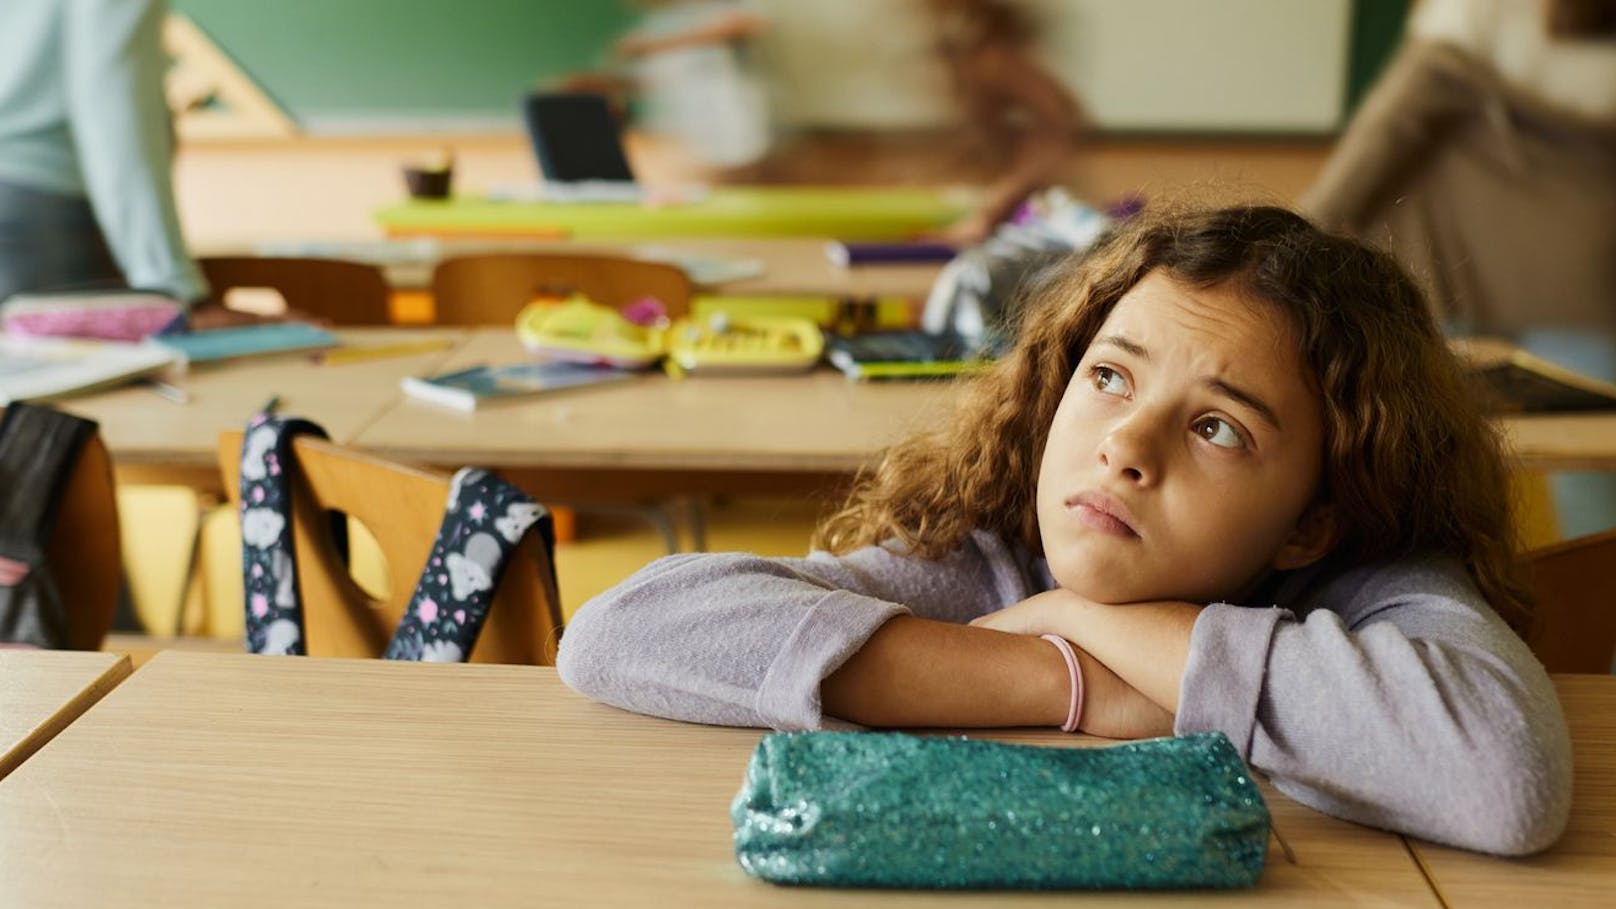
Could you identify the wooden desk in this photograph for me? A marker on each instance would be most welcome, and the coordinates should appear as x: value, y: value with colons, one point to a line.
x: 650, y: 437
x: 654, y: 436
x: 1581, y: 869
x: 1564, y: 442
x: 153, y: 439
x: 41, y: 691
x: 231, y: 780
x: 844, y: 212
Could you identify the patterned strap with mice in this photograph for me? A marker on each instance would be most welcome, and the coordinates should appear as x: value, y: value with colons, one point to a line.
x: 483, y: 522
x: 268, y: 559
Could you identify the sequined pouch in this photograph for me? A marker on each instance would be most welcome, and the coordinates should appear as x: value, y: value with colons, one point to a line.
x: 857, y: 809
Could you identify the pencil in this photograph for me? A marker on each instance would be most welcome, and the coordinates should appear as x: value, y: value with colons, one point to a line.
x: 382, y: 351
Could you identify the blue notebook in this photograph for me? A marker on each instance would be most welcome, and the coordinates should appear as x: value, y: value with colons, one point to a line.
x: 247, y: 341
x: 471, y: 388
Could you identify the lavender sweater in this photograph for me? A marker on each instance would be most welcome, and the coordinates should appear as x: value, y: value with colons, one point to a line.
x: 1390, y: 695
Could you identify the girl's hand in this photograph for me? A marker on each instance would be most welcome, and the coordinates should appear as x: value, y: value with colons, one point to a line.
x: 1112, y: 707
x: 1051, y: 612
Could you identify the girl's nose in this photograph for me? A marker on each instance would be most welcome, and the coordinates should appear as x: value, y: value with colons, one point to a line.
x: 1130, y: 450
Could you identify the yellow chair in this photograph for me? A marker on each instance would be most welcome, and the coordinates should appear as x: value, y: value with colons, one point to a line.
x: 1574, y: 625
x: 491, y: 289
x: 402, y: 507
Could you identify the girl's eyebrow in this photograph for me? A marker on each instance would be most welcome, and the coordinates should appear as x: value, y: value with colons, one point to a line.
x: 1218, y: 385
x: 1246, y: 398
x: 1126, y: 345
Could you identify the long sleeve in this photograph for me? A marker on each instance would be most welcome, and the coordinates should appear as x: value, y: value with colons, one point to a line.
x: 1398, y: 700
x: 114, y: 63
x: 1392, y: 137
x: 740, y: 640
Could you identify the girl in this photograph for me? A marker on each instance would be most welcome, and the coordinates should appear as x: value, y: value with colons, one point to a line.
x: 1232, y: 465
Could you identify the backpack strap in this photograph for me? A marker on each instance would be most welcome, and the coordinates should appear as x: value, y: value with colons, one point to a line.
x: 274, y: 603
x: 483, y: 521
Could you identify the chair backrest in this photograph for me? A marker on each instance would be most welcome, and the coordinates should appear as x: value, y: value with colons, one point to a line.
x: 346, y: 293
x: 402, y: 507
x: 1574, y: 625
x: 492, y: 289
x: 83, y: 549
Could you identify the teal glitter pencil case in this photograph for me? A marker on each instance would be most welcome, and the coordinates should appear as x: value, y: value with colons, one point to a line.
x: 853, y: 809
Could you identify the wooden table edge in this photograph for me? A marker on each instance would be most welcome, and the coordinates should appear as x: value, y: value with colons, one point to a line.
x: 53, y: 725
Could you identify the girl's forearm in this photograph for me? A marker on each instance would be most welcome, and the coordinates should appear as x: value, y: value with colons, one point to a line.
x: 1146, y: 644
x: 917, y: 672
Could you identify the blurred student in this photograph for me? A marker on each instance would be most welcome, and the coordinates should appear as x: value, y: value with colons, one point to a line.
x: 86, y: 149
x: 1485, y: 157
x: 1015, y: 111
x: 691, y: 64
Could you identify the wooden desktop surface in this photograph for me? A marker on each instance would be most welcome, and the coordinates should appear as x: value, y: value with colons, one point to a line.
x: 233, y: 780
x: 143, y: 430
x: 650, y: 436
x: 1581, y: 869
x: 813, y: 421
x: 42, y: 691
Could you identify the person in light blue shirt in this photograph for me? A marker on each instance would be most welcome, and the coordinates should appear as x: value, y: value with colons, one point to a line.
x: 86, y: 148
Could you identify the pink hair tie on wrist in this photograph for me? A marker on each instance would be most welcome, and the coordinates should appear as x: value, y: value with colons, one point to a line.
x: 1074, y: 713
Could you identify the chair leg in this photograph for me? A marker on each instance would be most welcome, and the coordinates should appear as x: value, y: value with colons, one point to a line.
x: 659, y: 516
x: 696, y: 512
x: 662, y: 519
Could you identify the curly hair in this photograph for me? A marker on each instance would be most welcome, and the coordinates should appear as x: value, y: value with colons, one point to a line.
x: 1411, y: 463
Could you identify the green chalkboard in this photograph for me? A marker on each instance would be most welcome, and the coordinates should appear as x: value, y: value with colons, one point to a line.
x: 358, y: 64
x: 1377, y: 28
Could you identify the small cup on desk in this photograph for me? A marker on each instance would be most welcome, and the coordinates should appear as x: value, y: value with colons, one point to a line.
x: 429, y: 181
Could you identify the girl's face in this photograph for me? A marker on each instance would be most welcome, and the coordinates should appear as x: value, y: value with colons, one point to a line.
x: 1186, y: 451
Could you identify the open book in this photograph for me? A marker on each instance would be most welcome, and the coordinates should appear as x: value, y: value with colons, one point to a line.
x: 1518, y: 382
x: 36, y: 368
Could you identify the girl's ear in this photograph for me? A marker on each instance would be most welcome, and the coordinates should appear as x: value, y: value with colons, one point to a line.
x: 1315, y: 534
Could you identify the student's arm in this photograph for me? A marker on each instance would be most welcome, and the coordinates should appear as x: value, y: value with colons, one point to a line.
x: 114, y: 63
x: 1396, y: 130
x: 1145, y: 645
x: 915, y: 672
x: 1400, y: 701
x: 741, y: 640
x: 735, y: 26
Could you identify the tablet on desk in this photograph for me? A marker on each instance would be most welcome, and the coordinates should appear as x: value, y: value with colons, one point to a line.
x: 579, y: 149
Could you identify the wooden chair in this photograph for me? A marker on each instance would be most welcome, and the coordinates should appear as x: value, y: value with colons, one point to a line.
x: 402, y: 506
x: 83, y: 548
x: 346, y: 293
x: 1574, y: 625
x: 492, y: 289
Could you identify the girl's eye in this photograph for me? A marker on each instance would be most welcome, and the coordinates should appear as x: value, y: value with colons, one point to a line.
x: 1219, y: 432
x: 1108, y: 380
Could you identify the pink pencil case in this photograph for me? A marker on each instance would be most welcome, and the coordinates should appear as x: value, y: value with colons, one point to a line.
x: 103, y: 316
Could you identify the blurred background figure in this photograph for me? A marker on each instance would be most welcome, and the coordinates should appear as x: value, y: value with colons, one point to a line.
x: 692, y: 67
x: 86, y: 199
x: 1485, y: 158
x: 1017, y: 115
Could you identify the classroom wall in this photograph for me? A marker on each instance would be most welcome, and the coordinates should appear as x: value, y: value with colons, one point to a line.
x: 408, y: 66
x: 1138, y: 65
